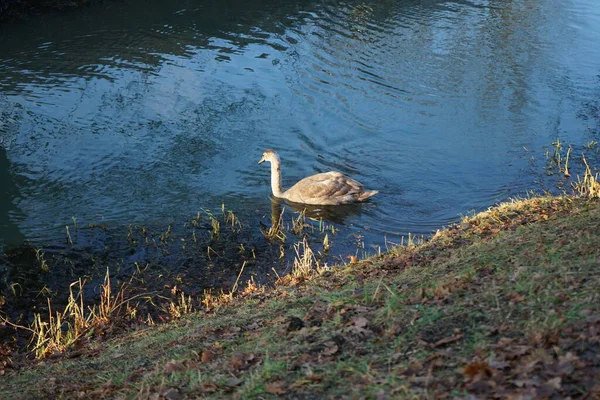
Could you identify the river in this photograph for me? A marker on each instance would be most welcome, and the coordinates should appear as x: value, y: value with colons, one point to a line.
x: 144, y: 112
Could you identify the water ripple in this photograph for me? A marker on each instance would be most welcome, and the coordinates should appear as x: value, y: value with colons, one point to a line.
x: 144, y: 112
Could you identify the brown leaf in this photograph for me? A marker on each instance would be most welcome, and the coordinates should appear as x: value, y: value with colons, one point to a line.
x: 241, y: 361
x: 207, y: 356
x: 209, y: 387
x: 360, y: 322
x: 238, y: 361
x: 447, y: 340
x: 478, y: 368
x: 330, y: 348
x: 517, y: 351
x: 515, y: 297
x: 275, y: 388
x: 173, y: 366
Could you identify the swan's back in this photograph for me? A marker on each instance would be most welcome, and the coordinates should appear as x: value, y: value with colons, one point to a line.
x: 328, y: 188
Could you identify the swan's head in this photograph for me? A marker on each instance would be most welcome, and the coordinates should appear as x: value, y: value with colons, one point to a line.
x: 269, y: 155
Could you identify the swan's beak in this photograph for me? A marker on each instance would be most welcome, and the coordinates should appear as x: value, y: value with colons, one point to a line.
x: 262, y: 160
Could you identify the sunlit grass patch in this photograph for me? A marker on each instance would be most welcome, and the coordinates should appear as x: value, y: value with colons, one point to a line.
x: 494, y: 292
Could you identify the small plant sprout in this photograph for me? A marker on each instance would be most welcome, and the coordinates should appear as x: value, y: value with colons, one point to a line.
x: 235, y: 285
x: 130, y: 236
x: 69, y: 240
x: 566, y: 169
x: 39, y: 255
x: 45, y: 292
x: 74, y: 219
x: 181, y: 306
x: 216, y: 227
x: 326, y: 244
x: 556, y: 156
x: 298, y: 223
x: 196, y: 220
x: 231, y: 219
x: 165, y: 236
x: 281, y: 251
x: 275, y: 232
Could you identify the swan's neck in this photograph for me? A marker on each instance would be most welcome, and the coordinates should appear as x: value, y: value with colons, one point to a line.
x: 276, y: 178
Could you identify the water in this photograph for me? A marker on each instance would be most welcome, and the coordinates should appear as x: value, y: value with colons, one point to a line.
x: 147, y: 111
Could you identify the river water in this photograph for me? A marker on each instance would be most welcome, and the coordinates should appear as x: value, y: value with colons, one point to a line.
x: 147, y: 111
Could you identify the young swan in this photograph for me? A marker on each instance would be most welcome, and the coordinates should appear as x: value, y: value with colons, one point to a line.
x: 328, y: 188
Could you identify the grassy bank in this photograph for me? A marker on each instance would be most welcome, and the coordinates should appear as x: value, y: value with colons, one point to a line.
x: 506, y: 303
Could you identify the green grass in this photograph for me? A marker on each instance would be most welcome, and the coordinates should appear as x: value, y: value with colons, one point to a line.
x: 508, y: 294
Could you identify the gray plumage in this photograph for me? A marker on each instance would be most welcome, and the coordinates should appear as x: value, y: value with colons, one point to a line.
x: 327, y: 188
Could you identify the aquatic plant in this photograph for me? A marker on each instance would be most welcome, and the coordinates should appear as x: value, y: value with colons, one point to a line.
x: 276, y: 230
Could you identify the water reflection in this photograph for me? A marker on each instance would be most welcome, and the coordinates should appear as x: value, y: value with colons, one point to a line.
x: 334, y: 214
x: 147, y: 111
x: 9, y: 231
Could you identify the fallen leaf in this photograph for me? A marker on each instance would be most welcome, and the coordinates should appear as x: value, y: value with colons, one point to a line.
x: 238, y: 361
x: 516, y: 351
x: 314, y: 378
x: 515, y: 297
x: 209, y: 387
x: 207, y: 356
x: 447, y: 340
x: 478, y: 368
x: 275, y: 388
x: 360, y: 322
x: 330, y: 348
x: 173, y: 366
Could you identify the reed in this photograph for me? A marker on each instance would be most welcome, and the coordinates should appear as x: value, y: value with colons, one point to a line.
x: 305, y: 262
x: 57, y: 332
x: 588, y: 186
x: 299, y: 223
x: 40, y: 256
x: 276, y: 231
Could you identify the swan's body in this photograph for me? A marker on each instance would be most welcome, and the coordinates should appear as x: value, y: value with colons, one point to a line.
x: 327, y: 188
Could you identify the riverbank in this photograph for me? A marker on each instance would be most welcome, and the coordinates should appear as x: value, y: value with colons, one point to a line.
x: 504, y: 304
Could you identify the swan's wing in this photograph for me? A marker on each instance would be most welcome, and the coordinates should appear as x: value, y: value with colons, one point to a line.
x: 326, y: 188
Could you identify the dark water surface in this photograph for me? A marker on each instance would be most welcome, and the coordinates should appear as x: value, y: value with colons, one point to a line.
x: 147, y: 111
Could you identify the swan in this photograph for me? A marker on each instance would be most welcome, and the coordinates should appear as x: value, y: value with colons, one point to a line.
x: 327, y: 188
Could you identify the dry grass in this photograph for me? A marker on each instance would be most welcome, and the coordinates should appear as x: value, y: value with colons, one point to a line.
x: 503, y: 305
x: 59, y: 330
x: 305, y: 263
x: 276, y: 231
x: 589, y: 186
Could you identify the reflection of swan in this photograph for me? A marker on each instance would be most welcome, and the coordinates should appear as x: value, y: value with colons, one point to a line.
x: 333, y: 214
x: 328, y: 188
